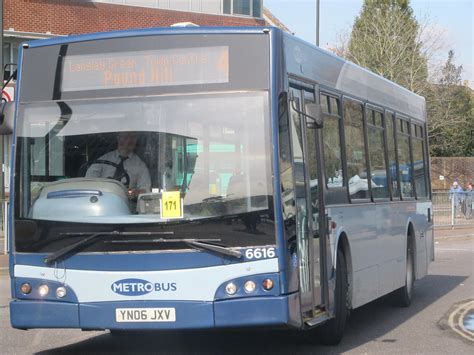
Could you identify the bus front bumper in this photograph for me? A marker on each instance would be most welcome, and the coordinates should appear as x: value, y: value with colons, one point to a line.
x: 258, y: 311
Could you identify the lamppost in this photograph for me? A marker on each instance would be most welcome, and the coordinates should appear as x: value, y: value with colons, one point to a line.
x: 317, y: 23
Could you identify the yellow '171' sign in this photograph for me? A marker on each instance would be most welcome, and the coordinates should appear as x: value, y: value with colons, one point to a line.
x: 171, y: 205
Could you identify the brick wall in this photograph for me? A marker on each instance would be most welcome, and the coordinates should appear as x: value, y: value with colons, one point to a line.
x: 75, y: 17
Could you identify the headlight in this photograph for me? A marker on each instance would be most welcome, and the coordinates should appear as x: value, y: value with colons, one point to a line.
x: 43, y: 290
x: 267, y: 284
x: 61, y: 292
x: 231, y: 288
x: 249, y: 286
x: 25, y: 288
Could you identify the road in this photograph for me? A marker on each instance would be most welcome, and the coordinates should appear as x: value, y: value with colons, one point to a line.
x: 373, y: 329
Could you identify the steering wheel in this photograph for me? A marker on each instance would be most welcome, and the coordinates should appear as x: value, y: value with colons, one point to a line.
x: 115, y: 165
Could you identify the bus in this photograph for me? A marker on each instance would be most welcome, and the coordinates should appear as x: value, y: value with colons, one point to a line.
x: 283, y: 191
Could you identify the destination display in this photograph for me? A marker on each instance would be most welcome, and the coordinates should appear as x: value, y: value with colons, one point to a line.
x: 165, y: 67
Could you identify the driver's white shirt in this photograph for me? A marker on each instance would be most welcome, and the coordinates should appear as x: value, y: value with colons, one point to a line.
x: 133, y: 165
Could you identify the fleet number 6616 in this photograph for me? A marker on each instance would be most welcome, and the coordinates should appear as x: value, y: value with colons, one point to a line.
x: 260, y: 253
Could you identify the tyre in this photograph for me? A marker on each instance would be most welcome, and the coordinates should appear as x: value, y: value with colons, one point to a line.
x: 332, y: 331
x: 403, y: 296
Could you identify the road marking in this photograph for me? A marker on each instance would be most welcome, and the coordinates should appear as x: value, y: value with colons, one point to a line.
x: 456, y: 320
x: 455, y: 236
x: 454, y: 249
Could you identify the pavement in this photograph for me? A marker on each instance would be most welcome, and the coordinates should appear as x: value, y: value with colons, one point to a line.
x: 3, y: 262
x: 439, y: 234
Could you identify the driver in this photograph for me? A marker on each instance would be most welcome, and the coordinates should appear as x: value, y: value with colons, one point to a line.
x: 125, y: 161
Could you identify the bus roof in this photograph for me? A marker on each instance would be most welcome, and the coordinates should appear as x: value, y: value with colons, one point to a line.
x: 306, y: 60
x: 302, y: 58
x: 147, y: 32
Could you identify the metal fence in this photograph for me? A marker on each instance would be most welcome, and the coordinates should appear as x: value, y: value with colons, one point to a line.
x: 453, y: 209
x: 449, y: 209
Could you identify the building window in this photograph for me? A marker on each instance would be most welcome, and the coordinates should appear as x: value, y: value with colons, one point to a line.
x: 257, y: 8
x: 227, y: 6
x: 242, y: 7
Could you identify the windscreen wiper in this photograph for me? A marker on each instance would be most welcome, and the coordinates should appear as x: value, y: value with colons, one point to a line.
x: 70, y: 250
x: 215, y: 248
x: 194, y: 243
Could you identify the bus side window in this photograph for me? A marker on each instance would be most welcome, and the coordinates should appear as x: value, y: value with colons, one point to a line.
x: 336, y: 185
x: 377, y: 154
x: 419, y: 163
x: 355, y: 150
x: 405, y: 168
x: 392, y: 160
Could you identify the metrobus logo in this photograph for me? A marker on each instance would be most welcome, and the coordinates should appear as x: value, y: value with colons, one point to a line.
x: 138, y: 287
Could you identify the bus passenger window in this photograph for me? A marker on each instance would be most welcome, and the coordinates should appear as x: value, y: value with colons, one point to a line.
x: 334, y: 106
x: 286, y: 170
x: 336, y: 191
x: 378, y: 169
x: 324, y: 103
x: 404, y: 161
x: 355, y: 150
x: 419, y: 165
x: 392, y: 160
x: 312, y: 165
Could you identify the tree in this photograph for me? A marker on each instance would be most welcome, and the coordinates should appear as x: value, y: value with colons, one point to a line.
x: 450, y: 109
x: 451, y: 75
x: 386, y: 39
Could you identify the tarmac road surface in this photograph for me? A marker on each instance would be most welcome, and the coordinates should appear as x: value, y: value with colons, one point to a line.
x: 423, y: 328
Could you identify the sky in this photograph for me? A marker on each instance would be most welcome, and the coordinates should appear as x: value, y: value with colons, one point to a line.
x: 452, y: 19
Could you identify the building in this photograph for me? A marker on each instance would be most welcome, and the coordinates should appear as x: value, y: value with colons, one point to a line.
x: 25, y: 20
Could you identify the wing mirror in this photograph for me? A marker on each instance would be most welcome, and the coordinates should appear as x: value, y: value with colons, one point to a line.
x: 6, y: 117
x: 313, y: 113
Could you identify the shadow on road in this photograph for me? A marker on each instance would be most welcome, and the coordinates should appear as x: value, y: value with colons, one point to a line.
x: 369, y: 323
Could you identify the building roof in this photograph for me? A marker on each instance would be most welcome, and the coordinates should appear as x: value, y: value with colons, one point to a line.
x: 272, y: 20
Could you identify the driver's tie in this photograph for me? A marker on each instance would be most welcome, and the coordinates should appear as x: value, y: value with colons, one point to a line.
x: 120, y: 171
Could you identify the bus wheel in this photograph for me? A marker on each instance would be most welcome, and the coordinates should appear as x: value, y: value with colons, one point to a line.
x: 403, y: 296
x: 331, y: 332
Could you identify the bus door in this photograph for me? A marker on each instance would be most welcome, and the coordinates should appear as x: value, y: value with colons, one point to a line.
x: 305, y: 141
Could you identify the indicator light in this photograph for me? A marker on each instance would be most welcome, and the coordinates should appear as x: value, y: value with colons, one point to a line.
x: 231, y: 288
x: 43, y: 290
x: 25, y: 288
x: 61, y: 292
x: 249, y: 286
x: 267, y: 284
